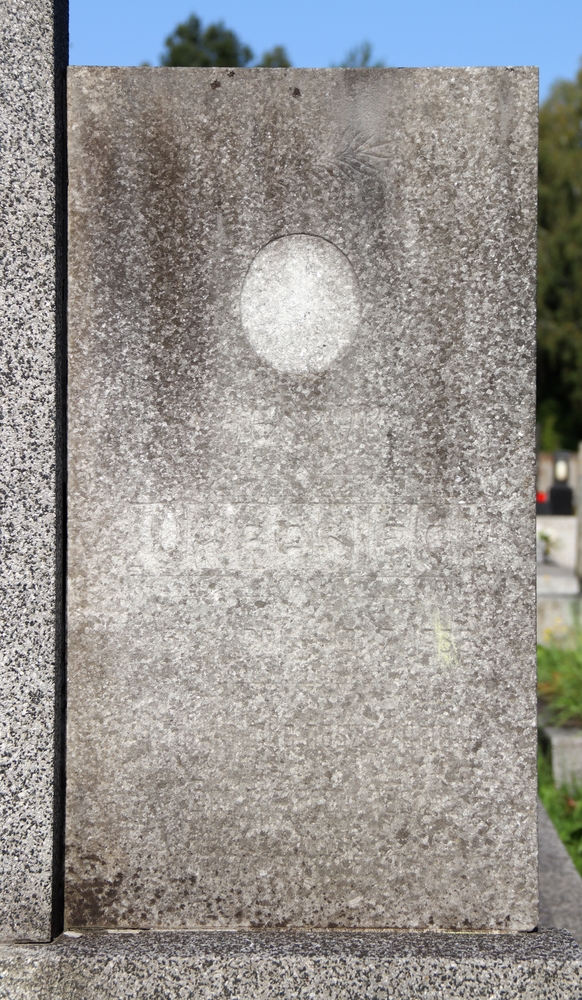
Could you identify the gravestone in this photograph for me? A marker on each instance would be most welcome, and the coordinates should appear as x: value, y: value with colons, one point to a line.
x: 301, y: 667
x: 294, y: 456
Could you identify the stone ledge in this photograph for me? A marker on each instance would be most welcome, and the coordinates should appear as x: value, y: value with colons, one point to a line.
x: 546, y: 965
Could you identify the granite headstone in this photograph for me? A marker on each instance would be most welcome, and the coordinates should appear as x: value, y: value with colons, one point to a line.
x: 301, y: 607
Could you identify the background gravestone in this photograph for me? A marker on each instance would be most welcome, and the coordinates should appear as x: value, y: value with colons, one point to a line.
x: 301, y: 605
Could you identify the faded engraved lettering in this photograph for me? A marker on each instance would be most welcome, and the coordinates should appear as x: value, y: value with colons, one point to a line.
x: 186, y: 537
x: 277, y: 429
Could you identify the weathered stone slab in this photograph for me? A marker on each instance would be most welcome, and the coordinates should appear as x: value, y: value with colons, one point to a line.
x: 403, y: 966
x: 33, y: 55
x: 566, y: 755
x: 560, y: 883
x: 302, y: 576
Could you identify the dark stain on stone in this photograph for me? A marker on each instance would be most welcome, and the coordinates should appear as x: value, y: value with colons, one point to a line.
x: 91, y: 901
x: 230, y: 73
x: 215, y: 84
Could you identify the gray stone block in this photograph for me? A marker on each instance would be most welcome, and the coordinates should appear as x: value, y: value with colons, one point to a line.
x: 555, y: 582
x: 400, y: 966
x: 33, y: 55
x: 560, y: 883
x: 302, y: 574
x: 556, y: 616
x: 566, y: 755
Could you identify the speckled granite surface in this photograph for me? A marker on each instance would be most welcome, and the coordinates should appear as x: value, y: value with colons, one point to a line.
x: 351, y: 966
x: 31, y: 312
x: 301, y: 684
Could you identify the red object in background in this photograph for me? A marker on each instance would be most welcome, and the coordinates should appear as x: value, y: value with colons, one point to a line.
x: 541, y: 497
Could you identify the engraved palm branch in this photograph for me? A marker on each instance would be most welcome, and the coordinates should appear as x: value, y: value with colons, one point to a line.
x: 361, y: 153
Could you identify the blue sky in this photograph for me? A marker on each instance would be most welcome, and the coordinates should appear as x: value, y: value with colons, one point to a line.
x: 319, y: 32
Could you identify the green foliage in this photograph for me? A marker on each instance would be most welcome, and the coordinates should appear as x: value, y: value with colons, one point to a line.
x: 564, y: 809
x: 191, y: 45
x: 276, y: 56
x: 560, y: 677
x: 560, y: 267
x: 547, y: 418
x: 359, y: 57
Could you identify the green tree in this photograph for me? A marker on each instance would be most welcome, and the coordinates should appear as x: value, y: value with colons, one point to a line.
x: 192, y: 45
x: 560, y: 267
x: 359, y: 58
x: 276, y: 56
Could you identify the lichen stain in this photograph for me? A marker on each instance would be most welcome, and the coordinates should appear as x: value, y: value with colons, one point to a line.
x: 90, y: 902
x: 445, y: 642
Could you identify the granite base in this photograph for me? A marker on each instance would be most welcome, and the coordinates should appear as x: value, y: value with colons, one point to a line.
x: 395, y: 966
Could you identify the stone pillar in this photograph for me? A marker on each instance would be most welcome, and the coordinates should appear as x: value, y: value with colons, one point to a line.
x: 34, y: 46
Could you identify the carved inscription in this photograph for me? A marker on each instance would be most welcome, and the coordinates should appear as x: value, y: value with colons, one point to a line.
x: 350, y: 428
x: 181, y: 537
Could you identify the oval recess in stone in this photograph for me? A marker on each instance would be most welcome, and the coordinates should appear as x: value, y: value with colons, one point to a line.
x: 300, y: 303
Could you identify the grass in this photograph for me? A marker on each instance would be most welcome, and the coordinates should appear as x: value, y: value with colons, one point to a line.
x: 564, y: 808
x: 560, y: 677
x: 560, y: 690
